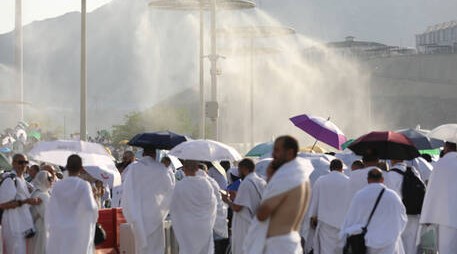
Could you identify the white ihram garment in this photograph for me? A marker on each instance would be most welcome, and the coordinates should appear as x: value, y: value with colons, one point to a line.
x: 193, y: 213
x: 329, y: 202
x: 440, y: 203
x: 70, y: 217
x: 388, y: 221
x: 248, y: 196
x: 288, y: 176
x: 146, y: 198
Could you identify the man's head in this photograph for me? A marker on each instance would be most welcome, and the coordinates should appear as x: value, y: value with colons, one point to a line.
x: 149, y: 151
x: 285, y: 149
x: 74, y: 164
x: 375, y: 176
x: 370, y: 157
x: 33, y: 171
x: 166, y: 161
x: 225, y: 165
x: 358, y: 164
x: 336, y: 165
x: 449, y: 147
x: 50, y: 169
x: 245, y: 167
x: 128, y: 157
x: 20, y: 163
x: 190, y: 167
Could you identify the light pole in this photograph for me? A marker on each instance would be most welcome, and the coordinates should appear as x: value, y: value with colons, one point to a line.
x: 201, y: 5
x: 18, y: 55
x: 83, y: 76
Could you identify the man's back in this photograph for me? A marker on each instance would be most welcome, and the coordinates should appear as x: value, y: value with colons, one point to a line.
x: 71, y: 215
x: 289, y: 214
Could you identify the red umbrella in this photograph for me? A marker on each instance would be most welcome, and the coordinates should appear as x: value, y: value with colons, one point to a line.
x: 387, y: 144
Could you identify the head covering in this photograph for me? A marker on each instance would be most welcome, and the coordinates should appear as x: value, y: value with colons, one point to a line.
x: 41, y: 181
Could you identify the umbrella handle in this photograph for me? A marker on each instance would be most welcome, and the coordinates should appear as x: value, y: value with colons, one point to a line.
x: 315, y: 142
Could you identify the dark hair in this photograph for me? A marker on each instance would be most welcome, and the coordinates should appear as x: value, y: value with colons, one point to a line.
x: 289, y: 142
x: 74, y: 163
x: 225, y: 165
x: 375, y: 174
x: 358, y: 163
x: 35, y: 167
x: 450, y: 146
x: 247, y: 163
x: 336, y: 164
x: 370, y: 155
x: 166, y: 158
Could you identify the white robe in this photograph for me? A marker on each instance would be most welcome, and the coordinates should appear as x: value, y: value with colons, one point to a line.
x: 37, y: 244
x: 387, y: 224
x: 358, y: 179
x: 193, y: 213
x: 440, y: 203
x: 221, y: 223
x: 146, y: 197
x: 394, y: 182
x: 329, y: 202
x: 248, y: 196
x: 287, y: 177
x: 15, y: 221
x: 70, y: 217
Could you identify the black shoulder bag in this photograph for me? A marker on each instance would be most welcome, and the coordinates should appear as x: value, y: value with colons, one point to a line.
x: 355, y: 244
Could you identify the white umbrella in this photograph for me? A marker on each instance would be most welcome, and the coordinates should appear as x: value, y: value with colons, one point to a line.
x: 205, y: 150
x: 446, y: 132
x: 108, y: 174
x: 261, y: 167
x: 94, y: 155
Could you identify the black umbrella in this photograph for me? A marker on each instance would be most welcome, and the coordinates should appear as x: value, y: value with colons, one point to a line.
x: 165, y: 140
x: 388, y: 145
x: 420, y: 140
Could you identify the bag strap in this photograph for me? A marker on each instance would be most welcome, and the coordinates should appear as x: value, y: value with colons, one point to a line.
x: 398, y: 171
x: 374, y: 208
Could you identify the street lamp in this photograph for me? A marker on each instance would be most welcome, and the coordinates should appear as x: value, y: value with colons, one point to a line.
x: 83, y: 76
x: 251, y: 33
x: 201, y: 5
x: 18, y: 55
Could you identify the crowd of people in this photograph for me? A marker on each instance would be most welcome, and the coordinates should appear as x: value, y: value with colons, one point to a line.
x: 213, y: 208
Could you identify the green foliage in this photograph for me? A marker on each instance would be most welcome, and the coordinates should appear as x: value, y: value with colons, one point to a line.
x: 158, y: 118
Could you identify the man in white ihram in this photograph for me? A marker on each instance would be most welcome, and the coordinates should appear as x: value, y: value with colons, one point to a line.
x: 245, y: 204
x: 71, y: 213
x: 330, y: 200
x: 146, y: 198
x: 440, y: 202
x: 275, y: 227
x: 383, y: 234
x: 193, y: 212
x: 394, y: 181
x: 358, y: 178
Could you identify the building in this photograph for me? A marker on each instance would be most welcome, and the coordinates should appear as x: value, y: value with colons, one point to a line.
x: 439, y: 38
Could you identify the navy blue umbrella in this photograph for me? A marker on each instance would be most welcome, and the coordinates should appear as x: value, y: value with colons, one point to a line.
x: 164, y: 140
x: 420, y: 140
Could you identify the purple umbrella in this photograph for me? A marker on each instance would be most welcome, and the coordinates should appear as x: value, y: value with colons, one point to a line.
x: 321, y: 129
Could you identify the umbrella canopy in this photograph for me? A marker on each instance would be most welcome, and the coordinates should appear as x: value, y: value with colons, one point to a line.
x: 107, y: 174
x: 261, y: 167
x: 34, y: 134
x: 446, y: 132
x: 321, y: 129
x: 347, y: 143
x: 93, y: 154
x: 205, y: 150
x: 388, y: 145
x: 420, y: 140
x: 165, y: 140
x: 261, y: 149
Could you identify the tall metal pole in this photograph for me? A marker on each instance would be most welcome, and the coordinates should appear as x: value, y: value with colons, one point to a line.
x: 251, y: 92
x: 213, y: 59
x: 202, y: 77
x: 18, y: 54
x: 83, y: 127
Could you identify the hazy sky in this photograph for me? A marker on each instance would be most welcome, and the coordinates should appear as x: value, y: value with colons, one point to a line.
x: 393, y: 22
x: 40, y: 9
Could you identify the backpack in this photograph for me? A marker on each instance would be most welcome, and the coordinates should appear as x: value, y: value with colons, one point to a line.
x: 3, y: 177
x: 412, y: 191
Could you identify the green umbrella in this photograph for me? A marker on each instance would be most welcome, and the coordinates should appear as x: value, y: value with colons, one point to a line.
x: 347, y: 143
x: 261, y: 149
x: 431, y: 151
x: 34, y: 134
